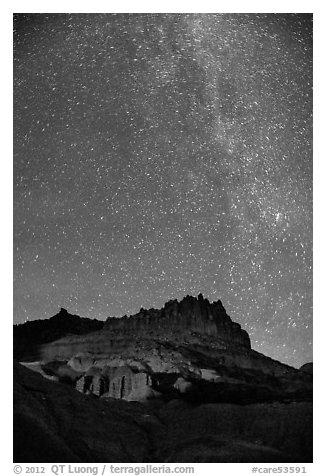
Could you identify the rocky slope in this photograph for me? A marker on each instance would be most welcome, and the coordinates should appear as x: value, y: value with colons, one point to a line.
x: 189, y: 349
x: 308, y: 368
x: 180, y: 384
x: 67, y: 426
x: 29, y: 336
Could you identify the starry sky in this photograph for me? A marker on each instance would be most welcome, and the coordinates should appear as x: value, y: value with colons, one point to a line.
x: 160, y: 155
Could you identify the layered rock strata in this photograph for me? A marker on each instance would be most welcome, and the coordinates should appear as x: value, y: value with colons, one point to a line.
x: 176, y: 320
x: 188, y: 347
x: 196, y: 315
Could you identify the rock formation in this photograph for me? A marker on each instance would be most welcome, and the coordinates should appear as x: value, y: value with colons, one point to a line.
x: 190, y: 348
x: 67, y: 426
x: 30, y: 335
x: 179, y: 384
x: 191, y: 315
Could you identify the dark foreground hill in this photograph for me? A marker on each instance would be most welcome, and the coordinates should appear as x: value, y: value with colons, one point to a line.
x: 55, y: 423
x: 30, y: 335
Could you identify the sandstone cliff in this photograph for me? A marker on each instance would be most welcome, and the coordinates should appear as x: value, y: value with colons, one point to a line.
x: 192, y: 319
x: 195, y: 315
x: 216, y: 399
x: 190, y: 348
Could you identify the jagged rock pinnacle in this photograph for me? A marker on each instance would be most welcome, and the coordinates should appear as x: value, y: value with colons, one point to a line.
x: 191, y: 314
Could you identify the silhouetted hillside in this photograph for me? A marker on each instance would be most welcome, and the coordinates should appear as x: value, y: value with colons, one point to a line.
x: 67, y: 426
x: 30, y: 335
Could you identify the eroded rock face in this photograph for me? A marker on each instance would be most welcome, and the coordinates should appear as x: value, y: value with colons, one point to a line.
x: 81, y: 362
x: 193, y: 340
x: 191, y: 320
x: 182, y: 385
x: 217, y: 400
x: 66, y: 426
x: 196, y: 315
x: 123, y: 382
x: 54, y: 423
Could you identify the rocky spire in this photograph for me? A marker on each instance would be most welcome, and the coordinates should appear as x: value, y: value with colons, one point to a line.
x: 191, y: 314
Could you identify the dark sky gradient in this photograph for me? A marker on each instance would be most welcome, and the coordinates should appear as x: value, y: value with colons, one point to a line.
x: 159, y: 155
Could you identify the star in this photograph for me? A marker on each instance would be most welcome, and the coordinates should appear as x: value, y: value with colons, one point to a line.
x: 160, y: 155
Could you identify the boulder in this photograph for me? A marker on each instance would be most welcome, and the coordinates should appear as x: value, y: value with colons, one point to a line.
x: 182, y: 385
x: 81, y: 362
x: 142, y: 394
x: 210, y: 375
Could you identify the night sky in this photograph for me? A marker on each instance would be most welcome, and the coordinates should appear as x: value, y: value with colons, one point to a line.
x: 160, y: 155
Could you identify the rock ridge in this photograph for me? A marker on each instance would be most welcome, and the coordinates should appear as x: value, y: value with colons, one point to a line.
x: 191, y: 314
x: 28, y: 337
x: 190, y: 348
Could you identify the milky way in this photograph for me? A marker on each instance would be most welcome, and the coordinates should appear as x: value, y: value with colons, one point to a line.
x: 160, y: 155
